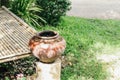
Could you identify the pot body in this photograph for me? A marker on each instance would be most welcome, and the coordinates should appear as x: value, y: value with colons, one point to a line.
x: 47, y: 46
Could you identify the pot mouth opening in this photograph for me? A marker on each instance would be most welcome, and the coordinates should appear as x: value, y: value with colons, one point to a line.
x: 48, y: 34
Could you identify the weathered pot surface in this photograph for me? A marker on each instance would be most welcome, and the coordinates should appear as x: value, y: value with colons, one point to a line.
x: 47, y: 46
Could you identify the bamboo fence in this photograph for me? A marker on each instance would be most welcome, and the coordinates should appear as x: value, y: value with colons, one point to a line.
x: 14, y: 36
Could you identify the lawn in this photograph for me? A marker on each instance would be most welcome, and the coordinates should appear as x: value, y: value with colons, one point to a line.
x: 86, y: 39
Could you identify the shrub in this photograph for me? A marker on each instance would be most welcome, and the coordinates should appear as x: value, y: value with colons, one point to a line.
x: 53, y: 10
x: 27, y: 9
x: 4, y: 3
x: 10, y: 69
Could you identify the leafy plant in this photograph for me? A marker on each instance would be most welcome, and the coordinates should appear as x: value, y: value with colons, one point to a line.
x: 53, y: 10
x: 9, y: 70
x: 27, y: 9
x: 4, y: 3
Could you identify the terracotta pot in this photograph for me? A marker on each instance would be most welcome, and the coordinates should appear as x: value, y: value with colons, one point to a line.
x: 47, y: 46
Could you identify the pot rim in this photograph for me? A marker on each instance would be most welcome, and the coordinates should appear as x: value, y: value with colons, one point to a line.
x: 55, y: 34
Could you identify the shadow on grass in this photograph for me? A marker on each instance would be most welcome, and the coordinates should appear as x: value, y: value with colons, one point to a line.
x: 84, y: 67
x: 82, y: 34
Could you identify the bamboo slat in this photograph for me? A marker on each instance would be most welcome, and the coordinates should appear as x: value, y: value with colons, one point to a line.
x: 14, y: 36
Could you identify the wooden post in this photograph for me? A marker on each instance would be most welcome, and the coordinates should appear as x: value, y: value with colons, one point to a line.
x: 49, y: 71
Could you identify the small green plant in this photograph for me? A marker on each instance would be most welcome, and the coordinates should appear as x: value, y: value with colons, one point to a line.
x: 27, y: 9
x: 6, y: 78
x: 53, y: 10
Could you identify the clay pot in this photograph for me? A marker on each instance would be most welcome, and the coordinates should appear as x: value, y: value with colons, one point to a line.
x: 47, y: 46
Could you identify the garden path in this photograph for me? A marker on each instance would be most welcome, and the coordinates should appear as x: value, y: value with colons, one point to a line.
x: 103, y: 9
x: 112, y: 63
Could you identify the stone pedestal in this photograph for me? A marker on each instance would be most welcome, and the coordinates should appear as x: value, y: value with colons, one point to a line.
x: 48, y: 71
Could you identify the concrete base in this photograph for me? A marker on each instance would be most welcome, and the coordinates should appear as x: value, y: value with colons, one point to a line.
x: 50, y: 71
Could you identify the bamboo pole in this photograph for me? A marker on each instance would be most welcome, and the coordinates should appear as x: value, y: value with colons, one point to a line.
x: 18, y: 19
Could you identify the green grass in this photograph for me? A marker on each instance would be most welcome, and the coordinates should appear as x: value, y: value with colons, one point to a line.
x: 85, y: 39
